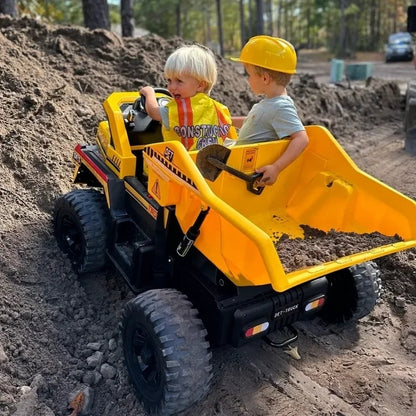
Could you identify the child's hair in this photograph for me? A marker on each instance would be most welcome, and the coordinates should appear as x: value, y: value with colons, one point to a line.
x: 281, y: 78
x: 196, y: 61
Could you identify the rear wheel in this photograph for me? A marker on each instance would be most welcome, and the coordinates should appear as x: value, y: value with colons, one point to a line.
x: 81, y: 228
x: 166, y: 351
x: 352, y: 293
x: 410, y: 118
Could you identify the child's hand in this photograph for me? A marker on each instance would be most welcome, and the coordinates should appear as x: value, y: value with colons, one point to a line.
x: 151, y: 105
x: 270, y: 174
x: 298, y: 142
x: 146, y: 90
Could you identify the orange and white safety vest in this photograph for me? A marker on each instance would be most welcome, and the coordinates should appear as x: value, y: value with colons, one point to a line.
x: 198, y: 121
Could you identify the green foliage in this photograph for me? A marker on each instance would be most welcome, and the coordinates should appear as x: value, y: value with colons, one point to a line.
x: 115, y: 17
x: 53, y: 11
x: 359, y: 25
x: 198, y: 19
x: 231, y: 25
x: 352, y: 11
x: 60, y: 11
x: 156, y: 16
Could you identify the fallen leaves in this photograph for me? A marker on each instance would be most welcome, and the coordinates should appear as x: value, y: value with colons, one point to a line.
x: 77, y: 403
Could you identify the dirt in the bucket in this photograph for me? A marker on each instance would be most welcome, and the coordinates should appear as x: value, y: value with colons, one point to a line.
x: 319, y: 247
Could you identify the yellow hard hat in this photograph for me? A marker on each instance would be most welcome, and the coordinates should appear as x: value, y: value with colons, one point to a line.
x: 268, y: 52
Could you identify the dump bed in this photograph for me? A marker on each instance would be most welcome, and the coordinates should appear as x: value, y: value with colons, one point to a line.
x: 322, y: 189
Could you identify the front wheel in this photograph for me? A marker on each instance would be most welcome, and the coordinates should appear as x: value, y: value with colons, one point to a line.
x: 81, y: 227
x: 352, y: 293
x: 166, y: 351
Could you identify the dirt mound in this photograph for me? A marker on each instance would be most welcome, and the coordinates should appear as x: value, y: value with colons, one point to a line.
x: 59, y: 334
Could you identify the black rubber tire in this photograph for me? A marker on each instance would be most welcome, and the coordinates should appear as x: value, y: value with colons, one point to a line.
x: 166, y: 351
x: 409, y: 117
x: 81, y: 226
x: 352, y: 293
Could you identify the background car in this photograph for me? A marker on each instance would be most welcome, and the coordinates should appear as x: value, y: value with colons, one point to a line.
x: 400, y: 47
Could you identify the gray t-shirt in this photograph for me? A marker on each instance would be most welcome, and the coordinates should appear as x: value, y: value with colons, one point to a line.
x: 164, y: 114
x: 270, y: 119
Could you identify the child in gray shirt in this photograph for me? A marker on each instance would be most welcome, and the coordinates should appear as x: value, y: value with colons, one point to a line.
x: 270, y: 63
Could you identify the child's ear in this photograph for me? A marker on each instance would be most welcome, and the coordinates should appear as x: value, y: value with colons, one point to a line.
x: 202, y: 86
x: 266, y: 77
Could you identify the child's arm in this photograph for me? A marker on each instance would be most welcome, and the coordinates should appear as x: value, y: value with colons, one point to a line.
x: 297, y: 144
x: 152, y: 107
x: 238, y: 121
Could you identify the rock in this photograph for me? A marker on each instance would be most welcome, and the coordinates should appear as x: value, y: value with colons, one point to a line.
x: 3, y: 356
x: 108, y: 371
x: 400, y: 302
x: 6, y: 398
x: 95, y: 346
x: 88, y: 378
x: 29, y: 400
x: 25, y: 389
x: 112, y: 344
x: 95, y: 360
x: 98, y: 377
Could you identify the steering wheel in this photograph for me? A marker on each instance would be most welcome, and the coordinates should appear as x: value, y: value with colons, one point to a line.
x: 140, y: 104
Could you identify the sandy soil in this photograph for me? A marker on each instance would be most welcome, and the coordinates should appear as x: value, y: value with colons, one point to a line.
x: 59, y: 334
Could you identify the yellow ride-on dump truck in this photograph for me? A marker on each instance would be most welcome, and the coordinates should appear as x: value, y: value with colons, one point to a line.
x: 195, y: 240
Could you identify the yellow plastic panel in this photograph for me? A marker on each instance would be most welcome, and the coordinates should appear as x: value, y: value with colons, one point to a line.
x: 120, y: 158
x: 228, y: 239
x: 336, y: 194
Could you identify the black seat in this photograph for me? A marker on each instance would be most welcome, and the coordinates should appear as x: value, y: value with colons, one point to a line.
x: 141, y: 129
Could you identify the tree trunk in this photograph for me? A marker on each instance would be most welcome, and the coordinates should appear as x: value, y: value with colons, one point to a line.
x: 341, y: 45
x: 260, y: 20
x: 395, y: 17
x: 178, y: 20
x: 96, y: 14
x: 373, y: 28
x: 242, y: 24
x: 207, y: 23
x: 250, y: 18
x: 220, y: 30
x: 126, y: 11
x: 8, y: 7
x: 269, y: 17
x: 378, y: 24
x: 279, y: 19
x: 286, y: 22
x: 308, y: 24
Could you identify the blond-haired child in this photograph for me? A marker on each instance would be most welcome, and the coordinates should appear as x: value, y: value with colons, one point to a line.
x: 192, y: 117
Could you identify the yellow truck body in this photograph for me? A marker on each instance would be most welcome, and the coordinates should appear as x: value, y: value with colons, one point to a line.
x: 323, y: 189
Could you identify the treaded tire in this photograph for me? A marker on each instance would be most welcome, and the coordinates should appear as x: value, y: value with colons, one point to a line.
x: 352, y: 293
x: 81, y: 224
x: 166, y: 351
x: 410, y: 118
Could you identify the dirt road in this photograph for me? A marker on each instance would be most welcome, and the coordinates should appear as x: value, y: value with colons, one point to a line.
x: 320, y: 66
x: 59, y: 334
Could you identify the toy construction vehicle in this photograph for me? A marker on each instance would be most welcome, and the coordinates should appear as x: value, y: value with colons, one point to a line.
x: 194, y: 238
